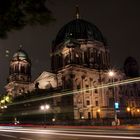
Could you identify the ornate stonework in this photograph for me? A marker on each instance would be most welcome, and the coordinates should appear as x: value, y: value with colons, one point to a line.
x: 19, y: 74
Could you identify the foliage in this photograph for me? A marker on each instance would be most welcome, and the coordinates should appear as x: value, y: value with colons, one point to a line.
x: 5, y: 99
x: 16, y: 14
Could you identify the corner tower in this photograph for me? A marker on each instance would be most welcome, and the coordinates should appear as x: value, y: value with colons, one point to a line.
x: 19, y: 73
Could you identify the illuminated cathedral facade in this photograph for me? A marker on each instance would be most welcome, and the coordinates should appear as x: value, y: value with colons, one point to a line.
x: 80, y: 61
x: 19, y: 74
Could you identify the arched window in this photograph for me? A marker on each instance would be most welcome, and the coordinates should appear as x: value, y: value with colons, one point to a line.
x: 77, y: 58
x: 22, y: 69
x: 67, y: 59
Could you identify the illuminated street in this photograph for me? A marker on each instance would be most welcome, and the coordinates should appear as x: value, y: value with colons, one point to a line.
x: 11, y: 133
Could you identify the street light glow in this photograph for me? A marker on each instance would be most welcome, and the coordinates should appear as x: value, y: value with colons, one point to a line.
x: 111, y: 73
x: 47, y: 106
x: 42, y: 107
x: 53, y: 119
x: 128, y: 109
x: 5, y: 106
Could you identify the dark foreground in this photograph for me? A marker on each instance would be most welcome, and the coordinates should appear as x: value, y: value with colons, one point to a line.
x: 28, y: 133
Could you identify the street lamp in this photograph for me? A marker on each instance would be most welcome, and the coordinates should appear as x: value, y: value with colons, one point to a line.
x: 45, y: 108
x: 128, y: 109
x: 98, y: 113
x: 129, y: 113
x: 138, y: 110
x: 99, y: 110
x: 111, y: 74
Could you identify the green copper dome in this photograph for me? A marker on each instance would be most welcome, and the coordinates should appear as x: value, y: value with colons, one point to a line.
x: 20, y: 55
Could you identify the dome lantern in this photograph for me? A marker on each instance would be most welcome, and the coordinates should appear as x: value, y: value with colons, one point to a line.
x: 20, y: 55
x: 77, y: 12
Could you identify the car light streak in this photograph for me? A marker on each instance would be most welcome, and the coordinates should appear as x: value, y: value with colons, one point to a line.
x: 118, y: 83
x: 25, y: 139
x: 75, y: 131
x: 50, y: 132
x: 10, y: 136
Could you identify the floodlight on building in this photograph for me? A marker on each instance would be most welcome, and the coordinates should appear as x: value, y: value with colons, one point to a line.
x: 111, y: 73
x: 128, y: 109
x: 99, y: 110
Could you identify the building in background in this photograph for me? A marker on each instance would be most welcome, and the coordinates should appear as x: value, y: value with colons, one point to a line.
x: 131, y: 92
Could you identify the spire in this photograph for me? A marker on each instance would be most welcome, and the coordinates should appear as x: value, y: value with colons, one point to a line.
x: 20, y: 46
x: 77, y: 12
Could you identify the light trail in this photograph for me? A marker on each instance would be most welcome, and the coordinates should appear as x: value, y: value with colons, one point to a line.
x: 25, y: 139
x: 9, y: 136
x: 69, y: 133
x: 118, y: 83
x: 75, y: 131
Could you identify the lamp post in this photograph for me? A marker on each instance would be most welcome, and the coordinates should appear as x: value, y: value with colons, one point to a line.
x: 111, y: 74
x: 44, y: 108
x: 98, y: 113
x: 128, y: 109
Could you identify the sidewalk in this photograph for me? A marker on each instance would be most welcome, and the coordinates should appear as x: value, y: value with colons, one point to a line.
x: 123, y: 127
x: 120, y: 127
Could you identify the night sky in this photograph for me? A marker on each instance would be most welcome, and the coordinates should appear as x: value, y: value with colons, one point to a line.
x: 118, y: 20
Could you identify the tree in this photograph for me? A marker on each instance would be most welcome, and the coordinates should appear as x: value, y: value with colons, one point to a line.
x: 16, y: 14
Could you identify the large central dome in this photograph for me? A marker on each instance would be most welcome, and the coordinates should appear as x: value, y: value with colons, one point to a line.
x: 79, y: 29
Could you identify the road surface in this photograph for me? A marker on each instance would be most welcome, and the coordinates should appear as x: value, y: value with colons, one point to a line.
x: 25, y: 133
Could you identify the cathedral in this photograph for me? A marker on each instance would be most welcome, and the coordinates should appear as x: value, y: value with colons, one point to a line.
x: 80, y: 64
